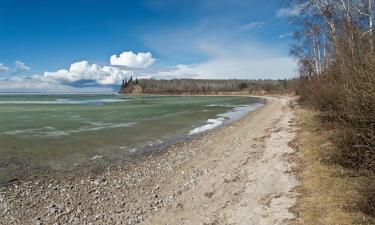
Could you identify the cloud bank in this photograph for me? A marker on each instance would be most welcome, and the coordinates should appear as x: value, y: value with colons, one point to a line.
x: 83, y: 70
x: 81, y: 76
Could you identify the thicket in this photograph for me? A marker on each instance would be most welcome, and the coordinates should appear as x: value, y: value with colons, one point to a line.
x: 335, y: 48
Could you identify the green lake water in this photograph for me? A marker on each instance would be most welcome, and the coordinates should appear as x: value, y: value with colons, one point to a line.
x: 60, y: 131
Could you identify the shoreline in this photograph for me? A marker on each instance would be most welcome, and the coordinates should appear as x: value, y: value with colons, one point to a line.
x: 130, y: 192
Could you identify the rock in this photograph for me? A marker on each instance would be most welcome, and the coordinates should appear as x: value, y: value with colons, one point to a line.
x: 15, y: 181
x: 38, y: 221
x: 179, y: 205
x: 99, y: 181
x: 209, y: 194
x: 119, y: 210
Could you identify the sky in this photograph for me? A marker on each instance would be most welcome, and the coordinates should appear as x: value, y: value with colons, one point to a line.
x: 90, y: 45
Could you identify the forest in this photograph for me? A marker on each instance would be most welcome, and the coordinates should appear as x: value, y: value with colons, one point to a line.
x: 200, y: 86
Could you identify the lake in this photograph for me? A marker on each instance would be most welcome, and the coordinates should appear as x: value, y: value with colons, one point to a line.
x: 62, y: 131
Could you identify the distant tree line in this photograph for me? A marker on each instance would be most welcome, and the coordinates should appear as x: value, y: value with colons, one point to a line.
x: 201, y: 86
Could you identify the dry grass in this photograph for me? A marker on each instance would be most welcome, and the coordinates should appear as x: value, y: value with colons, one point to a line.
x: 330, y: 193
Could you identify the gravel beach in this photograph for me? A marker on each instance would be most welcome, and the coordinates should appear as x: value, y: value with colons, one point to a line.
x: 235, y: 174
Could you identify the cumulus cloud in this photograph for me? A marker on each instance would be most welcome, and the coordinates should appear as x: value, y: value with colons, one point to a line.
x: 252, y: 26
x: 83, y: 70
x: 130, y: 59
x: 19, y: 67
x: 292, y: 11
x: 3, y: 68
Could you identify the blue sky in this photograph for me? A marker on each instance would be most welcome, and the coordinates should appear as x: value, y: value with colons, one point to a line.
x: 67, y: 42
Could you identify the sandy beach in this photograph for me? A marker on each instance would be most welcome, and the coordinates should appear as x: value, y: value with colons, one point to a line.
x: 236, y: 174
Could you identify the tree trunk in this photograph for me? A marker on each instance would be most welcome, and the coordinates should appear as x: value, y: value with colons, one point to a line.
x: 370, y: 27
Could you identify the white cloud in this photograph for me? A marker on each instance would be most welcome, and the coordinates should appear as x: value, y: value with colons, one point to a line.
x: 130, y: 59
x: 19, y: 67
x: 252, y: 26
x: 292, y: 11
x: 3, y: 68
x: 83, y: 70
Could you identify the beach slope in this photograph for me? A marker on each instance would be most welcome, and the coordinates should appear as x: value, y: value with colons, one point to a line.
x: 248, y: 177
